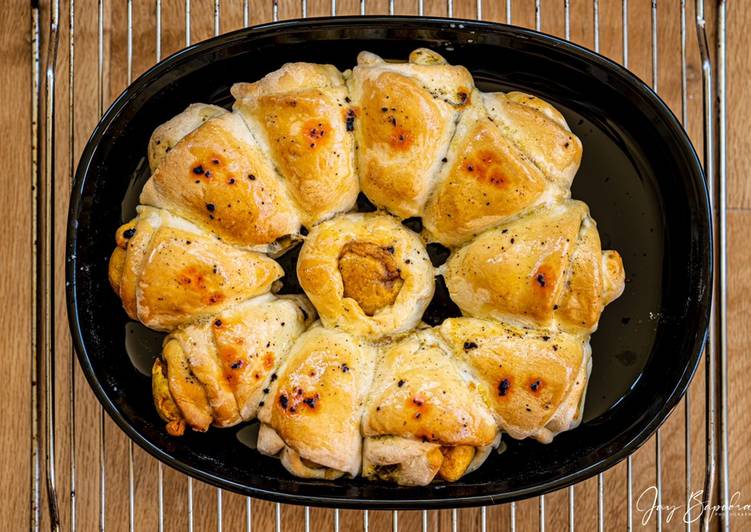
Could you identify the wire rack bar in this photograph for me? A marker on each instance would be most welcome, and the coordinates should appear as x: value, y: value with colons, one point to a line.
x: 102, y: 434
x: 44, y: 288
x: 71, y: 170
x: 723, y: 258
x: 716, y: 474
x: 35, y: 509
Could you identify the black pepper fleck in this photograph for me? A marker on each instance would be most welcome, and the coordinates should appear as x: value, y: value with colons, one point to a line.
x: 310, y: 401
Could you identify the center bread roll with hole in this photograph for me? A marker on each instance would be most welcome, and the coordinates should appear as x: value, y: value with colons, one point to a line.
x: 367, y: 274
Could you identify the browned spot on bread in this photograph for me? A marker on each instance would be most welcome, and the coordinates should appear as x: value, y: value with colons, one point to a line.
x: 315, y: 133
x: 400, y: 138
x: 418, y: 404
x: 543, y: 280
x: 193, y: 277
x: 370, y: 275
x: 486, y: 167
x: 208, y: 166
x: 536, y: 384
x: 214, y: 298
x: 464, y: 96
x: 298, y: 401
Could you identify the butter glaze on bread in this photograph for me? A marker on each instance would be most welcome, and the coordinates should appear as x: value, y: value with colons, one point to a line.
x: 299, y: 114
x: 218, y: 177
x: 546, y: 269
x: 405, y: 117
x: 169, y: 272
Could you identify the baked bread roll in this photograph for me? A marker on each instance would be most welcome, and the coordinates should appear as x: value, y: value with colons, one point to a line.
x: 301, y: 118
x: 311, y: 418
x: 169, y: 272
x: 218, y: 177
x: 405, y: 118
x: 493, y: 172
x: 533, y: 380
x: 421, y: 394
x: 217, y: 370
x: 545, y: 269
x: 367, y: 274
x: 368, y: 389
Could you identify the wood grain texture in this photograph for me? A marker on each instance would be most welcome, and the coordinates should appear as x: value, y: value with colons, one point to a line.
x: 15, y: 253
x: 72, y: 127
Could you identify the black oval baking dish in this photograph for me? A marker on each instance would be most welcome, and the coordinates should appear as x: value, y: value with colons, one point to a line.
x: 640, y: 176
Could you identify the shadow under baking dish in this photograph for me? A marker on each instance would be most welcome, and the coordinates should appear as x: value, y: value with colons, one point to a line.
x: 639, y: 175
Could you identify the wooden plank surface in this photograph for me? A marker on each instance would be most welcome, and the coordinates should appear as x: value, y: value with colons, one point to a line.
x: 75, y: 122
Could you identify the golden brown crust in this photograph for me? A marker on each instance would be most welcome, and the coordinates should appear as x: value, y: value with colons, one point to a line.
x: 485, y: 181
x: 456, y: 460
x: 163, y: 401
x: 300, y: 115
x: 543, y: 267
x: 166, y: 136
x: 232, y: 356
x: 539, y: 130
x: 405, y: 117
x: 186, y: 391
x: 170, y: 272
x: 418, y: 392
x: 218, y: 177
x: 524, y: 375
x: 316, y: 403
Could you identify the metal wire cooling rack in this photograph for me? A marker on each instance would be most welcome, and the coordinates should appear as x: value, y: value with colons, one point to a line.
x: 69, y: 428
